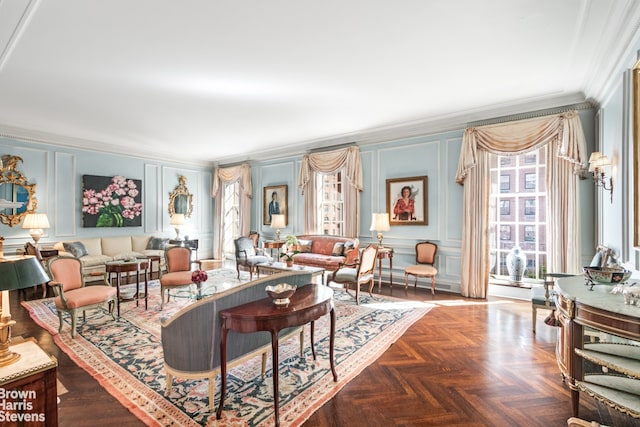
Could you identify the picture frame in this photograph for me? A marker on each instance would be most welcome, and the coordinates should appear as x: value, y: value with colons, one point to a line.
x: 281, y: 207
x: 111, y: 201
x: 416, y: 212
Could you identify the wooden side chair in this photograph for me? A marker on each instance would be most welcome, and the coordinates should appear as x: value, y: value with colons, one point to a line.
x: 179, y: 269
x: 71, y: 294
x: 424, y: 267
x: 359, y: 273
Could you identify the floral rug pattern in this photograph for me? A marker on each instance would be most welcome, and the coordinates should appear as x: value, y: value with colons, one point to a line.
x: 125, y: 357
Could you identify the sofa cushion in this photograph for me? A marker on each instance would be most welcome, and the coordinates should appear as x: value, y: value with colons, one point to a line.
x: 114, y: 246
x: 129, y: 255
x: 77, y: 249
x: 94, y: 260
x: 157, y: 243
x: 328, y: 262
x: 139, y: 243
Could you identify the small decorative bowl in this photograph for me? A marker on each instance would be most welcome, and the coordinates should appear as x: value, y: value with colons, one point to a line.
x: 607, y: 275
x: 281, y: 293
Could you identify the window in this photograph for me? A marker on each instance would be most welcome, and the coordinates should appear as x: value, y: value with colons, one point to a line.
x: 330, y: 204
x: 230, y: 217
x: 529, y: 233
x: 515, y: 184
x: 505, y: 207
x: 529, y: 207
x: 505, y: 183
x: 530, y: 181
x: 505, y: 232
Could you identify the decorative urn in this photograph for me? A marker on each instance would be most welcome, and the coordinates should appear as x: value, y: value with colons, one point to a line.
x: 516, y: 265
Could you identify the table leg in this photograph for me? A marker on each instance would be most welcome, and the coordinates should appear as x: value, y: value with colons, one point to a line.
x: 332, y: 314
x: 138, y: 287
x: 223, y: 369
x: 390, y: 270
x: 118, y: 293
x: 379, y: 274
x: 146, y: 289
x: 313, y: 346
x: 274, y: 367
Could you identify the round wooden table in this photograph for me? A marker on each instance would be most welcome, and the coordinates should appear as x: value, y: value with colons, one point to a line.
x: 308, y: 304
x: 115, y: 269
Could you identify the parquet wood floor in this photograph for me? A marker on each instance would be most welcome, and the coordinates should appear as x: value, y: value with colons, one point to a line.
x: 466, y: 363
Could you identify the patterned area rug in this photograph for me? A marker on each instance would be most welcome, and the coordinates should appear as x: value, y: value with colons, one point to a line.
x: 126, y: 359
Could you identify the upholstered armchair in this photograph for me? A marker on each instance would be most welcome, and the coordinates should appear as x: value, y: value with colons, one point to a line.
x: 248, y: 256
x: 179, y: 269
x: 359, y: 273
x: 71, y: 294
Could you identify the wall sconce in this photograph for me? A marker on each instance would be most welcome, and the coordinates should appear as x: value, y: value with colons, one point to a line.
x: 278, y: 222
x: 597, y: 163
x: 380, y: 223
x: 35, y: 223
x: 177, y: 220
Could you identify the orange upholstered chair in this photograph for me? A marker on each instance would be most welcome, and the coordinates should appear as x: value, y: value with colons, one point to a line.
x: 178, y: 273
x: 425, y: 259
x: 71, y: 294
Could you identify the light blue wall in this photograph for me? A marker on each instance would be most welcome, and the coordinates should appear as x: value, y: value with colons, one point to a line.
x: 435, y: 156
x: 57, y: 173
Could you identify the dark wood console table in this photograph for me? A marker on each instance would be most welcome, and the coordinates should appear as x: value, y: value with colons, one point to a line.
x: 308, y: 304
x: 598, y: 313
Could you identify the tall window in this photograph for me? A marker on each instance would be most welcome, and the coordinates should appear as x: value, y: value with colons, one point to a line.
x: 230, y: 217
x: 519, y: 184
x: 330, y: 204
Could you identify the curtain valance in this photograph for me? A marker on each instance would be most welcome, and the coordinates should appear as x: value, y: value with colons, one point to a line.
x: 241, y: 172
x: 331, y: 162
x: 513, y: 138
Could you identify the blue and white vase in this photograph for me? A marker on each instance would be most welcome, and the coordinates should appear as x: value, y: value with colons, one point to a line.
x: 516, y: 265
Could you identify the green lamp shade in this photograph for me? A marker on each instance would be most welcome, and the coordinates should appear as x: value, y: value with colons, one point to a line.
x: 21, y: 272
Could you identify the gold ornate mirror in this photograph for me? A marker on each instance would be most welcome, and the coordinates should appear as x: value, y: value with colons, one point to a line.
x: 17, y: 196
x: 180, y: 200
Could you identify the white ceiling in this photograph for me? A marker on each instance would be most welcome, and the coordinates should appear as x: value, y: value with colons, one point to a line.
x: 222, y: 81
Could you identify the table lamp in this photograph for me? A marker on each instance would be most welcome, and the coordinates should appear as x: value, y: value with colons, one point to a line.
x: 35, y: 222
x: 278, y: 222
x: 16, y: 272
x: 177, y: 220
x: 380, y: 223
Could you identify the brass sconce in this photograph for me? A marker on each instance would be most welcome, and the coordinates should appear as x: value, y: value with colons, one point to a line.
x: 597, y: 163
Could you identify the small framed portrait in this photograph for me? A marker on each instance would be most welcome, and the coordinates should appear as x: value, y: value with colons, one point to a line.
x: 275, y: 202
x: 407, y: 201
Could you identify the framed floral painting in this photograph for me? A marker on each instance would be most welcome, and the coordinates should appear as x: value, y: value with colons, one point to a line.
x: 111, y: 201
x: 407, y: 201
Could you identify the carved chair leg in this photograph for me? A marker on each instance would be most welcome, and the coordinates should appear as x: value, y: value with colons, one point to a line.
x: 167, y: 391
x: 264, y: 364
x: 74, y: 316
x: 433, y: 285
x: 60, y: 318
x: 301, y: 342
x: 534, y: 316
x: 406, y: 281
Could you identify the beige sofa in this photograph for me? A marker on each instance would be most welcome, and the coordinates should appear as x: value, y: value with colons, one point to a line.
x: 103, y: 249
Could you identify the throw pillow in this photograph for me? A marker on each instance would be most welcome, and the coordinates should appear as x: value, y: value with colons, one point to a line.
x: 347, y: 247
x: 304, y: 245
x: 76, y: 249
x: 338, y: 249
x: 157, y: 243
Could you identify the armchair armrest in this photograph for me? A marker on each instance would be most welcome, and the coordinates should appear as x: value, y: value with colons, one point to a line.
x: 198, y: 263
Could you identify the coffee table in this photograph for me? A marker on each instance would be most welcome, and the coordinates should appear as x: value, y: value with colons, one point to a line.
x: 114, y: 271
x: 277, y: 267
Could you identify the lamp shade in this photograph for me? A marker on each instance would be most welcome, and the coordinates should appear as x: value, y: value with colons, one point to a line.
x: 380, y: 222
x: 36, y: 220
x: 21, y: 272
x: 277, y: 221
x: 177, y: 219
x: 594, y: 156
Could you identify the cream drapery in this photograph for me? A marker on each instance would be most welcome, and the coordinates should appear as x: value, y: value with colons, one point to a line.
x: 346, y: 160
x: 222, y: 176
x: 566, y: 152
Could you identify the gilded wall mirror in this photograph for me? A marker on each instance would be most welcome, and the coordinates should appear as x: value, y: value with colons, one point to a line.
x: 17, y: 196
x: 180, y: 200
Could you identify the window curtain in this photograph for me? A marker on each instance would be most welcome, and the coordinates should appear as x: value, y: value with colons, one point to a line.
x: 222, y: 176
x: 348, y: 162
x: 566, y: 151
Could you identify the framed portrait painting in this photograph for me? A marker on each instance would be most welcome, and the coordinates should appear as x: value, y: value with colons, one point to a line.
x: 275, y: 202
x: 407, y: 201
